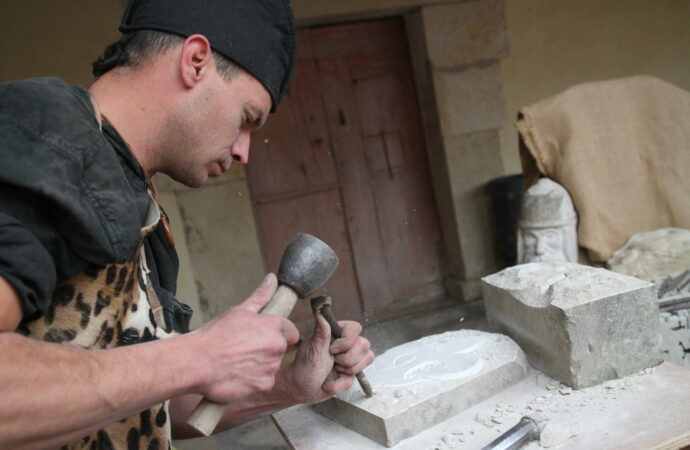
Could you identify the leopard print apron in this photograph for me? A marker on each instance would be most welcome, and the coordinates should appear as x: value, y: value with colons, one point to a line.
x: 105, y: 307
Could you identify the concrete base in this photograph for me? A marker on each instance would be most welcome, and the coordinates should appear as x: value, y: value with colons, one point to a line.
x: 494, y: 362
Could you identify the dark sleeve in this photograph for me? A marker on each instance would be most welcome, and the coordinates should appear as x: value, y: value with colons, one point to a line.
x: 163, y: 263
x: 26, y: 265
x: 34, y: 255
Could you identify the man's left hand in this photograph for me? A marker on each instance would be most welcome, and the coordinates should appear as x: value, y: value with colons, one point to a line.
x: 322, y: 369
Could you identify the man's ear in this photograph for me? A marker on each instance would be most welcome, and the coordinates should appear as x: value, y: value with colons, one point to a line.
x: 196, y: 60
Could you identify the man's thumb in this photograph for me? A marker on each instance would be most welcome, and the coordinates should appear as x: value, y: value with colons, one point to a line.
x: 322, y: 332
x: 261, y: 294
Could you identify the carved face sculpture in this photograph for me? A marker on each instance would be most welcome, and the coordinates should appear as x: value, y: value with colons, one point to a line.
x: 547, y: 224
x: 543, y: 244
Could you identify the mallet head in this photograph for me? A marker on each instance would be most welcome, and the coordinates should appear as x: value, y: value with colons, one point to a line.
x: 307, y: 264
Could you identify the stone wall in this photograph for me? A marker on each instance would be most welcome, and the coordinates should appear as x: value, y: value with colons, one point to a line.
x: 215, y: 234
x: 456, y: 52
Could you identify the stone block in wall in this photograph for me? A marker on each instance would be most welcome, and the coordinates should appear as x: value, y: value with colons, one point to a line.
x: 469, y: 100
x: 223, y: 245
x: 421, y: 383
x: 578, y: 324
x: 459, y: 34
x: 473, y: 160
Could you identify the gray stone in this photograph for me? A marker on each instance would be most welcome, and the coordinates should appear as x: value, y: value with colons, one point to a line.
x: 579, y: 324
x: 675, y: 331
x: 465, y: 33
x: 472, y: 202
x: 470, y: 100
x: 472, y: 365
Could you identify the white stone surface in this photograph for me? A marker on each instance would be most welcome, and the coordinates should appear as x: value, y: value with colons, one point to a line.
x: 421, y: 383
x: 547, y: 224
x: 579, y: 324
x: 613, y: 415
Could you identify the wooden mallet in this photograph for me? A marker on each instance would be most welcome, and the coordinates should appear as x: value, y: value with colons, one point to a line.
x: 306, y: 265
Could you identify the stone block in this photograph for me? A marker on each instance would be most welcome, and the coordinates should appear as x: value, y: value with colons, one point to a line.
x: 423, y: 382
x: 471, y: 200
x: 459, y: 34
x: 469, y: 100
x: 578, y: 324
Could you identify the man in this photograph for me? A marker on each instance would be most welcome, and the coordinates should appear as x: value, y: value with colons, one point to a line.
x: 93, y: 343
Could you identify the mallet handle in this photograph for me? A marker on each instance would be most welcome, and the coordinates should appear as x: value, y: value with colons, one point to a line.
x: 207, y: 414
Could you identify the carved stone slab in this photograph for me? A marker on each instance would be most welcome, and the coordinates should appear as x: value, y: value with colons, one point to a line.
x: 421, y: 383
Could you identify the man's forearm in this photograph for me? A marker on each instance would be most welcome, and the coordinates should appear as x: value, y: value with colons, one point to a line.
x: 257, y: 405
x: 52, y: 394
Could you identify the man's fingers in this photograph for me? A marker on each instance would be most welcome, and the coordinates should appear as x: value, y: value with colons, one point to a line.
x: 336, y: 385
x: 289, y: 332
x: 358, y: 366
x: 351, y: 331
x: 261, y: 295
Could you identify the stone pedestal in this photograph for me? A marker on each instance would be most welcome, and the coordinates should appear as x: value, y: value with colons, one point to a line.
x: 579, y: 324
x: 421, y: 383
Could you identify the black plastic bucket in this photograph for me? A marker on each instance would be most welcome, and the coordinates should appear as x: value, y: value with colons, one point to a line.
x: 506, y: 198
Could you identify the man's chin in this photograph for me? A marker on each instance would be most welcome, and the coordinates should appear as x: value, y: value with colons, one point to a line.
x: 192, y: 182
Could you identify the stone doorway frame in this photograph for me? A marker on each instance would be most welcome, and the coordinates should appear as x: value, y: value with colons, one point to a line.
x: 456, y: 48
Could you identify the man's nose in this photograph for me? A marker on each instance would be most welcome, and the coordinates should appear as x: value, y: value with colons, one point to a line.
x: 240, y: 149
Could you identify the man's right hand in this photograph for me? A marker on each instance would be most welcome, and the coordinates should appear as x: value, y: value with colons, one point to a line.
x: 241, y: 350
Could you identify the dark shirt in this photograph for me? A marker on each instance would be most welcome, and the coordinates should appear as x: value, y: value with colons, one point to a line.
x: 70, y: 196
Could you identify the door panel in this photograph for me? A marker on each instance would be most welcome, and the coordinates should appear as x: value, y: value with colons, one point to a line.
x: 320, y: 214
x: 344, y: 159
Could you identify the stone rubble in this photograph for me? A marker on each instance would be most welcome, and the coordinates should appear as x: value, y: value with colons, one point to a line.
x: 554, y: 406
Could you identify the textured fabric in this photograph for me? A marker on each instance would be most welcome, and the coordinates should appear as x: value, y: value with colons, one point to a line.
x: 51, y: 148
x: 70, y: 197
x: 622, y: 150
x: 26, y: 265
x: 259, y: 35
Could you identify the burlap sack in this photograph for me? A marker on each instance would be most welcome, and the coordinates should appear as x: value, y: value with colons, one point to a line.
x: 622, y: 150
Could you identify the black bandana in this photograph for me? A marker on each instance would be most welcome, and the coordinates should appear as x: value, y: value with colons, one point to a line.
x: 258, y: 35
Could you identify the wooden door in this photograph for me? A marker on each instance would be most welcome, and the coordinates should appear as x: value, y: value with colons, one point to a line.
x: 344, y: 159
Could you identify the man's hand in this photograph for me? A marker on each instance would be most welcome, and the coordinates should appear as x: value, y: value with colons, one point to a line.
x: 322, y: 369
x: 242, y: 349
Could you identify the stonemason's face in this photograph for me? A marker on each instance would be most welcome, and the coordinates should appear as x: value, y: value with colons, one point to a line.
x: 211, y: 128
x: 544, y: 244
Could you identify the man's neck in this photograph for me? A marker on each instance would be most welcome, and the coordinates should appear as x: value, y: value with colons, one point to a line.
x: 131, y: 105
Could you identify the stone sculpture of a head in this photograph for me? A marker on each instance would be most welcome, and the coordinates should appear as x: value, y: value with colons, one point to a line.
x: 547, y: 224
